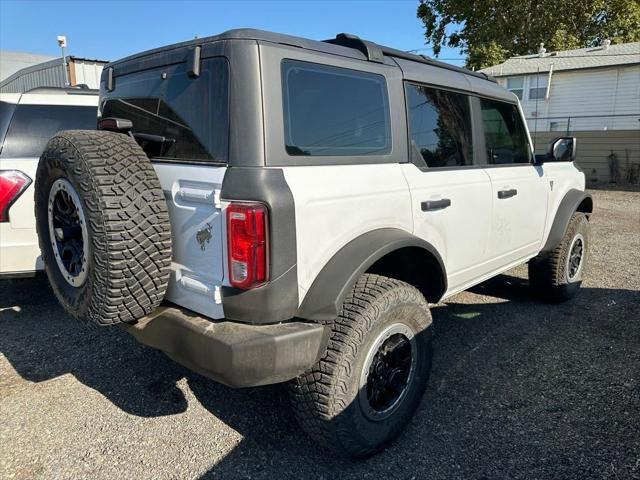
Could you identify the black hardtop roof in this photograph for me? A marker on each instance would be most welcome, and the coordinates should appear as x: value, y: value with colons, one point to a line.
x: 344, y: 44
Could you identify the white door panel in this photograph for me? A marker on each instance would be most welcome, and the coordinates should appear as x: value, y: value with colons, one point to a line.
x: 520, y: 196
x: 336, y: 204
x: 460, y: 231
x: 197, y: 223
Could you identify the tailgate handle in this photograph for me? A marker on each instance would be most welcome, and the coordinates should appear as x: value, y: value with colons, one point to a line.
x: 430, y: 205
x: 507, y: 193
x: 196, y: 194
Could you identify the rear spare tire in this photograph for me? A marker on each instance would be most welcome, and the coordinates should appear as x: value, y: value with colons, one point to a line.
x: 103, y: 226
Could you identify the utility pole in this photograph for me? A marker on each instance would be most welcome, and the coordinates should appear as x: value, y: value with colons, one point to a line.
x: 62, y: 43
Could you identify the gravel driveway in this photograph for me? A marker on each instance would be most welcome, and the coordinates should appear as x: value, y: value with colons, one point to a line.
x: 518, y: 390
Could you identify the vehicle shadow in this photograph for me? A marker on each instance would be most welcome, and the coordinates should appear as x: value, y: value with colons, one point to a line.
x: 42, y: 342
x: 511, y: 387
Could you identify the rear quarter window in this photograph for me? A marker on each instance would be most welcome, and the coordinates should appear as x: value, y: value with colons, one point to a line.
x: 331, y: 111
x: 6, y: 112
x: 32, y: 126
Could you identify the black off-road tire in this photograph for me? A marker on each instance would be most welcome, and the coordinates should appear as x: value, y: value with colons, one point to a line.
x: 325, y: 399
x: 127, y: 223
x: 548, y: 272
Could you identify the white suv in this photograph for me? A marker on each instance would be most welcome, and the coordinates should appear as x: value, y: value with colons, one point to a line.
x: 266, y: 208
x: 27, y: 122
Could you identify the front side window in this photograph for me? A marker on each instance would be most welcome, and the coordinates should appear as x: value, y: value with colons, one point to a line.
x: 33, y: 125
x: 516, y: 86
x: 504, y: 133
x: 440, y: 125
x: 331, y: 111
x: 175, y: 116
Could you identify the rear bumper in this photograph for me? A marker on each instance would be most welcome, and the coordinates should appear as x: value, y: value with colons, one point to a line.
x: 236, y: 354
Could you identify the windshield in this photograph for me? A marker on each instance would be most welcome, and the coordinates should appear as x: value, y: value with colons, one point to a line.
x: 176, y: 117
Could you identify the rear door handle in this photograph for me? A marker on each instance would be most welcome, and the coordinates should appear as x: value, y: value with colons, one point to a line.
x: 507, y: 193
x: 430, y: 205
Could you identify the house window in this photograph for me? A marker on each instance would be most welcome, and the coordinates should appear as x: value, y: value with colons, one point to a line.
x: 538, y: 87
x: 516, y: 85
x: 560, y: 126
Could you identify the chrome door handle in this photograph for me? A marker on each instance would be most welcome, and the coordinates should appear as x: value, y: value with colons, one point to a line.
x: 430, y: 205
x: 507, y: 193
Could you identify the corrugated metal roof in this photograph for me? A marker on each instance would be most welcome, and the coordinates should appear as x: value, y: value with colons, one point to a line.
x: 594, y: 57
x: 11, y: 62
x: 45, y: 74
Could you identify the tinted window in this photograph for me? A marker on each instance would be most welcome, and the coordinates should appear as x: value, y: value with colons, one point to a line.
x: 177, y: 117
x: 33, y: 125
x: 6, y: 112
x: 504, y: 133
x: 334, y: 111
x: 440, y: 124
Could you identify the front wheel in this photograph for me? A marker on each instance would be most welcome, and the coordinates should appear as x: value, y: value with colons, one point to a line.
x: 366, y: 388
x: 557, y: 275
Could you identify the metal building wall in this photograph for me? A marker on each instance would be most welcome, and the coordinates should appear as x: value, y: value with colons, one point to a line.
x: 51, y: 74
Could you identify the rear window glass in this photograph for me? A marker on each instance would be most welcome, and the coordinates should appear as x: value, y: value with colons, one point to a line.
x: 175, y: 116
x: 33, y: 125
x: 334, y: 111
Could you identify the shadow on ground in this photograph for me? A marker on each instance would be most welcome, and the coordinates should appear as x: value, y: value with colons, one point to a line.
x: 519, y: 389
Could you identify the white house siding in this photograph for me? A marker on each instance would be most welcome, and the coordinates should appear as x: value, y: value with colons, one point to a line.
x: 87, y: 72
x: 594, y: 93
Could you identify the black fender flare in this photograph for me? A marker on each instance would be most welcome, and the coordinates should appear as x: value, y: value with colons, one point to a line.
x: 323, y: 300
x: 568, y: 206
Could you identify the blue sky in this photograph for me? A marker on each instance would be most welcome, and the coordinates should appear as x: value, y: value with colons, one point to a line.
x: 113, y: 29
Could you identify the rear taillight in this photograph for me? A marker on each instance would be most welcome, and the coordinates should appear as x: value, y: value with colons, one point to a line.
x: 247, y: 244
x: 12, y: 184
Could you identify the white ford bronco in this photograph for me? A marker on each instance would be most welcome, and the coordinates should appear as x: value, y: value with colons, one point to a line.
x: 265, y: 208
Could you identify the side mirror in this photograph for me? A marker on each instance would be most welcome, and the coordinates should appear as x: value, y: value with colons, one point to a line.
x: 562, y: 149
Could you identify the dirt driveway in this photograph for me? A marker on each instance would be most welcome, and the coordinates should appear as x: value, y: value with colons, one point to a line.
x: 518, y: 390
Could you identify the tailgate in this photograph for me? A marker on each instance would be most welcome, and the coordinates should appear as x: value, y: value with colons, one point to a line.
x: 197, y: 270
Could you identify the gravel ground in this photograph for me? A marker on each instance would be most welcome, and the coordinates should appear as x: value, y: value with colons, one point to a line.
x: 518, y: 390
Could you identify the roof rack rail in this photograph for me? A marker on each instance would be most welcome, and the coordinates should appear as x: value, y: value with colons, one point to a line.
x: 79, y: 90
x: 372, y: 51
x: 376, y: 53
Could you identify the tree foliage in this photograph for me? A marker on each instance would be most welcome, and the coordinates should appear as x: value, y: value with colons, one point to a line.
x: 491, y: 31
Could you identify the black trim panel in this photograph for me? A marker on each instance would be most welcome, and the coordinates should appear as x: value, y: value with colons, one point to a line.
x: 567, y: 208
x: 324, y: 298
x: 277, y: 300
x: 235, y: 354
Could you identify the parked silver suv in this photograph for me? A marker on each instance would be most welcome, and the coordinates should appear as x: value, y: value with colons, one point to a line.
x: 27, y: 121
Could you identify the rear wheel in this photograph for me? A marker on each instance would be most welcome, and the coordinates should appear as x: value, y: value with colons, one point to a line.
x: 103, y: 226
x: 366, y: 388
x: 557, y: 275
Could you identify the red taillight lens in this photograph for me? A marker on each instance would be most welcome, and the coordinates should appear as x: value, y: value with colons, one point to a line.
x: 247, y: 244
x: 12, y: 184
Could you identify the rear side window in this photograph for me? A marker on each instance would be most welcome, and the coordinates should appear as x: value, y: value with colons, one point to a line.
x: 330, y: 111
x: 6, y: 112
x: 440, y: 124
x: 504, y: 133
x: 33, y: 125
x: 175, y: 116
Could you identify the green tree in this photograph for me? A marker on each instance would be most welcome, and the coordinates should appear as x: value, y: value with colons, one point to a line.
x: 491, y: 31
